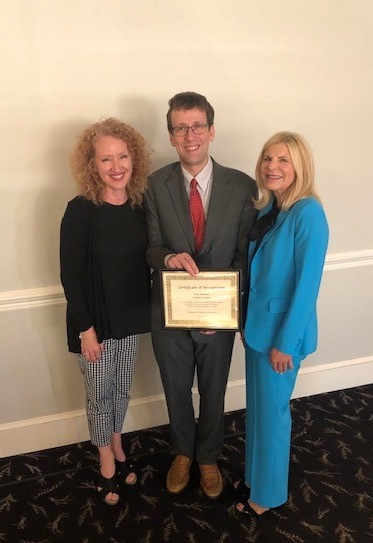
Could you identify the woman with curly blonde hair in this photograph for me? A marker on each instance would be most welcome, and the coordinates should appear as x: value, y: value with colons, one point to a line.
x: 90, y: 185
x: 107, y: 283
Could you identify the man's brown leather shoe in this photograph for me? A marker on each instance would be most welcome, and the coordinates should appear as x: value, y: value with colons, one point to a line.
x: 211, y: 480
x: 178, y: 474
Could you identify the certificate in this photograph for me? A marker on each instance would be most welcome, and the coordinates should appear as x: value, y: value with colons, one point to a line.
x: 207, y: 301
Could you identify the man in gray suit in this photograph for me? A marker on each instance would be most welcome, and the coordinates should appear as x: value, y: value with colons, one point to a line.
x: 226, y: 197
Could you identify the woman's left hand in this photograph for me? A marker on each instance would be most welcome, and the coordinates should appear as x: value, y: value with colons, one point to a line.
x: 280, y: 362
x: 91, y: 348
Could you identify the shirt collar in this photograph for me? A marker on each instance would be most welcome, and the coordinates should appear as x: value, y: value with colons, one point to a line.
x: 203, y: 177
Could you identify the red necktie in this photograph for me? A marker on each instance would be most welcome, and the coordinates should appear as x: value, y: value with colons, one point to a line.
x: 197, y: 215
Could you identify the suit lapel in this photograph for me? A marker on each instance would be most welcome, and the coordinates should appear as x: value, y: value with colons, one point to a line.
x: 179, y: 198
x: 279, y: 220
x: 220, y: 192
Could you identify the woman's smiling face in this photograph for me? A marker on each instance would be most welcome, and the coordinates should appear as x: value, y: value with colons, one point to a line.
x: 277, y: 169
x: 113, y: 164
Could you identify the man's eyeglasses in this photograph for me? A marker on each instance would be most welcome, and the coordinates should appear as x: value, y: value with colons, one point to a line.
x: 182, y: 130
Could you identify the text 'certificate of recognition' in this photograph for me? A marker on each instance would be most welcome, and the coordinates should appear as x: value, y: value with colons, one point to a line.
x: 207, y: 301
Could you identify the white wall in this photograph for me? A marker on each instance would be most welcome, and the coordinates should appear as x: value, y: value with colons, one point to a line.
x: 265, y: 66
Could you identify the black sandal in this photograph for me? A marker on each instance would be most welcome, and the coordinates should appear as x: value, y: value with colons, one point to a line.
x: 107, y: 486
x: 249, y: 511
x: 124, y: 470
x: 242, y: 490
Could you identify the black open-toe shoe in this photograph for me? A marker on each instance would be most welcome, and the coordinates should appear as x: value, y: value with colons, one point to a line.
x: 105, y: 486
x: 124, y: 470
x: 249, y: 511
x: 242, y: 490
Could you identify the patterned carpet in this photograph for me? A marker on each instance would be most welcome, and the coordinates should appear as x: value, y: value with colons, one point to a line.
x: 50, y: 496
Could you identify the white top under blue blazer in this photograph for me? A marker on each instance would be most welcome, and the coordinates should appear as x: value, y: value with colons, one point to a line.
x: 285, y: 278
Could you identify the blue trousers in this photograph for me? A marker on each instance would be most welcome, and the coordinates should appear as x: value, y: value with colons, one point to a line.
x: 268, y: 428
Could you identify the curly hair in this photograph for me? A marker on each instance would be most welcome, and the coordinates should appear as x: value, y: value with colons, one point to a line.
x: 301, y: 157
x: 84, y: 173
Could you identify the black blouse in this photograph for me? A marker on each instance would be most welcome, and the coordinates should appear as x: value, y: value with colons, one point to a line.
x: 264, y: 224
x: 103, y: 270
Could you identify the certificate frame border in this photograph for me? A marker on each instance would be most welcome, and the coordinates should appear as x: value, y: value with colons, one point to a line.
x: 236, y: 328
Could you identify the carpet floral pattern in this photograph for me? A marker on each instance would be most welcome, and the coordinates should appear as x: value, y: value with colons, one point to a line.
x: 50, y: 496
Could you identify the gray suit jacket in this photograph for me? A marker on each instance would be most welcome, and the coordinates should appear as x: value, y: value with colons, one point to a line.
x: 229, y: 220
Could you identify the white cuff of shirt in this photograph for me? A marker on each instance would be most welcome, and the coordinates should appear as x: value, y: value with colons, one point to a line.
x: 167, y: 257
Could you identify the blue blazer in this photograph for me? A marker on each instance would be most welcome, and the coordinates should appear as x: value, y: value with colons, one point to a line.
x: 284, y: 280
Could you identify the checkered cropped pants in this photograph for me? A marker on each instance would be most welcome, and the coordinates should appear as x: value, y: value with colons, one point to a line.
x: 107, y: 385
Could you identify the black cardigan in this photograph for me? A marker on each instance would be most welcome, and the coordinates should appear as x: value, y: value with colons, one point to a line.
x: 103, y: 270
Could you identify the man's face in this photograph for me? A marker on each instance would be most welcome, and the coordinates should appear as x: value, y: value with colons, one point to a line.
x: 193, y: 149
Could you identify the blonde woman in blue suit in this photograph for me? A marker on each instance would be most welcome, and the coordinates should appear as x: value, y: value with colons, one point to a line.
x: 286, y: 254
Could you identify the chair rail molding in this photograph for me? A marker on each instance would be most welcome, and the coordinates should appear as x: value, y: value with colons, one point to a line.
x: 13, y: 300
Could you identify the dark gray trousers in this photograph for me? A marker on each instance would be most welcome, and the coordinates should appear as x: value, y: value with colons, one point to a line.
x: 180, y: 354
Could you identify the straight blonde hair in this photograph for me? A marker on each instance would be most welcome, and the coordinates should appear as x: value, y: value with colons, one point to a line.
x: 302, y: 160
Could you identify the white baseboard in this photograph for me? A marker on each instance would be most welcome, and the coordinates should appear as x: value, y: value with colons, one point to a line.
x: 67, y: 428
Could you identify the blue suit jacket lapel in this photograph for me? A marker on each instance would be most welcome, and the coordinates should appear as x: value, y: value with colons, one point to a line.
x: 279, y: 220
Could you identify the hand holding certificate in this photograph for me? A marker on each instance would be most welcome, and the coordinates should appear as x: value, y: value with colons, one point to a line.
x: 207, y: 301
